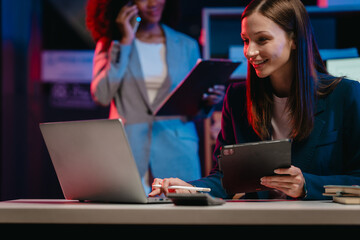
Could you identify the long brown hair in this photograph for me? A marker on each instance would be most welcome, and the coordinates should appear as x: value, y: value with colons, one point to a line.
x: 310, y: 81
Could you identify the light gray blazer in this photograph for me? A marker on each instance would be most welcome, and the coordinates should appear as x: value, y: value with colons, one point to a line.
x: 169, y: 145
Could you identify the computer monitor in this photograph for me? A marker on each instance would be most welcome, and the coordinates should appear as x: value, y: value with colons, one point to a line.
x: 348, y: 67
x: 222, y: 28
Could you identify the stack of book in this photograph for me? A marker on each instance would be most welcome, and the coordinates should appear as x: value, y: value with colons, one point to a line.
x: 346, y: 194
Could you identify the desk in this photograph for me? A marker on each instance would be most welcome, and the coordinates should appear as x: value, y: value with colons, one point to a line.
x: 274, y: 213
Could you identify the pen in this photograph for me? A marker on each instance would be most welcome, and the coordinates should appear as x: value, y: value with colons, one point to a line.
x: 199, y: 189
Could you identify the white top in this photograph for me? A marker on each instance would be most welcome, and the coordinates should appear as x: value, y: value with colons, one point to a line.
x: 153, y: 64
x: 280, y: 120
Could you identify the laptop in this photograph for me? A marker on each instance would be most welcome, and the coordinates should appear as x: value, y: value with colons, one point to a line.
x: 94, y: 162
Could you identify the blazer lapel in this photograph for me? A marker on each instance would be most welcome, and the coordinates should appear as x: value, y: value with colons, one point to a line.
x: 172, y: 53
x: 163, y: 92
x: 303, y: 151
x: 136, y: 71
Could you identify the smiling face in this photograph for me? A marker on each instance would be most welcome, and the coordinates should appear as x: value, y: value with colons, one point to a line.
x: 150, y: 10
x: 266, y: 46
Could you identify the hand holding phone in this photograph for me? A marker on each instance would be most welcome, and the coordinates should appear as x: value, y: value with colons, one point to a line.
x: 128, y: 21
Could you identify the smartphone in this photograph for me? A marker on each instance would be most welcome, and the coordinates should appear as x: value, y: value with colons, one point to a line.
x: 135, y: 20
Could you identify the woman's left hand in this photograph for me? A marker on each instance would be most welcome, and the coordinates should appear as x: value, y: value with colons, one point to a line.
x: 292, y: 183
x: 215, y: 95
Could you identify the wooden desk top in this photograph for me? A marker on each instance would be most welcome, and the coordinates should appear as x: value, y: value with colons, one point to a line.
x: 231, y: 213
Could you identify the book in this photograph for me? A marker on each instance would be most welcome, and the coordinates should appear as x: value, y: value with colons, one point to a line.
x: 345, y: 194
x: 331, y: 190
x: 346, y: 200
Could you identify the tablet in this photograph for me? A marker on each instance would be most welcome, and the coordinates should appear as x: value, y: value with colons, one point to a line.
x: 186, y: 98
x: 243, y: 165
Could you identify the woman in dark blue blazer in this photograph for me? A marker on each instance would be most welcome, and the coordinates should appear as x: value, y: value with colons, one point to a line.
x: 289, y: 94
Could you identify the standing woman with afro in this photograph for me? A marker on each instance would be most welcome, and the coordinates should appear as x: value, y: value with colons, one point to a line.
x: 134, y: 71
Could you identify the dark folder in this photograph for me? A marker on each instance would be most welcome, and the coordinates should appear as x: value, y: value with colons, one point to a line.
x: 186, y: 98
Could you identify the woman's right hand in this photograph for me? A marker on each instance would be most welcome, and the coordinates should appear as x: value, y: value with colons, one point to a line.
x: 167, y: 182
x: 123, y: 22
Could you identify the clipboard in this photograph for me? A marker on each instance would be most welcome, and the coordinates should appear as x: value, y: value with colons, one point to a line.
x: 243, y: 165
x: 186, y: 98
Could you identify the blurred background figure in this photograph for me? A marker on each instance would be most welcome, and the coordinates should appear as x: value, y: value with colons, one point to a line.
x: 135, y: 68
